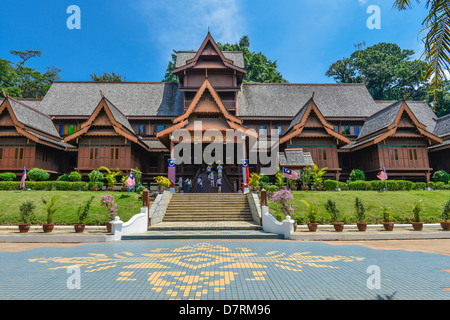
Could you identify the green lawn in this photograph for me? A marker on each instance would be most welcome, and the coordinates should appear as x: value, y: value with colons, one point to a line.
x: 399, y: 201
x: 10, y: 202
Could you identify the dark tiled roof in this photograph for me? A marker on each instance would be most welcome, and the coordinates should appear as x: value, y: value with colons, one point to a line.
x: 236, y: 56
x: 424, y: 114
x: 442, y: 128
x: 295, y: 157
x: 380, y: 120
x: 285, y: 100
x: 119, y: 116
x: 33, y: 118
x: 134, y: 98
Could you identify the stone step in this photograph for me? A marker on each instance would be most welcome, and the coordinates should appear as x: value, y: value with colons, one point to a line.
x: 202, y: 234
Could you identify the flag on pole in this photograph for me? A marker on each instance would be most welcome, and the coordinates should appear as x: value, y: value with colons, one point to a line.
x: 383, y: 175
x: 130, y: 182
x: 290, y: 174
x: 171, y: 170
x: 245, y: 172
x: 22, y: 181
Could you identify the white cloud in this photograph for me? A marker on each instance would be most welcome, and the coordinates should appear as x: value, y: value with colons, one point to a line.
x: 182, y: 25
x: 362, y: 2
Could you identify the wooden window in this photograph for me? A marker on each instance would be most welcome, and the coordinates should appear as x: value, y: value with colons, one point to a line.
x: 159, y: 127
x: 94, y: 153
x: 415, y: 154
x: 114, y: 153
x: 324, y: 154
x: 395, y: 154
x: 18, y: 153
x: 357, y: 130
x: 61, y: 129
x: 66, y: 129
x: 1, y: 153
x: 71, y: 129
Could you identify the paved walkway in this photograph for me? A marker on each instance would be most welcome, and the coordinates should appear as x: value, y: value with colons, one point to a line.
x: 222, y: 270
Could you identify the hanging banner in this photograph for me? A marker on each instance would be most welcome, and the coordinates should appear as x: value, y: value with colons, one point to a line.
x: 245, y: 172
x: 171, y: 170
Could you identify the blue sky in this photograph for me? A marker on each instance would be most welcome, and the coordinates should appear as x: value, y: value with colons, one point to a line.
x: 135, y: 38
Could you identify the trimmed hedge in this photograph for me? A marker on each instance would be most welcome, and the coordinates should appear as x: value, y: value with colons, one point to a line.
x: 378, y: 185
x: 45, y: 185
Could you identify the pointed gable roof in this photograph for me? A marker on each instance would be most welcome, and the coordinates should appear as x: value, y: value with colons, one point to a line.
x: 385, y: 123
x: 300, y: 121
x: 118, y: 121
x: 33, y: 124
x: 207, y: 86
x: 209, y: 41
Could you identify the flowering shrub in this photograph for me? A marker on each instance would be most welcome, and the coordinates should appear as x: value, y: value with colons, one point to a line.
x: 108, y: 202
x: 282, y: 197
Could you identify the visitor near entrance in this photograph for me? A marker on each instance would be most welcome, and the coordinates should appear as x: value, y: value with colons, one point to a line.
x: 187, y: 184
x: 219, y: 170
x: 199, y: 184
x: 219, y: 185
x: 212, y: 179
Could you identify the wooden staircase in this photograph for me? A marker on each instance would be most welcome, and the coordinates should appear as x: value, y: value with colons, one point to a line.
x: 208, y: 207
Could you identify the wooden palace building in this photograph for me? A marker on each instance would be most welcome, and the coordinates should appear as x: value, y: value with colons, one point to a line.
x: 84, y: 125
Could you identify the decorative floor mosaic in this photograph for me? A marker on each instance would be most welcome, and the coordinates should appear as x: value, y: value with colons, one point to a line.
x: 222, y: 270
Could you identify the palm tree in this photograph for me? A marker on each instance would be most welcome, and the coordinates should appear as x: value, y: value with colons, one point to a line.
x: 437, y: 40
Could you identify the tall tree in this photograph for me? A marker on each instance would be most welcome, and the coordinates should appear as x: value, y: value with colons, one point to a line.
x: 259, y: 67
x: 106, y: 77
x: 437, y: 39
x: 21, y: 81
x: 387, y: 69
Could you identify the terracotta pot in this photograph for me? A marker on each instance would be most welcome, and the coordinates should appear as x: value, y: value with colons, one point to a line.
x: 417, y: 226
x: 79, y: 227
x: 445, y: 225
x: 108, y: 226
x: 94, y: 188
x: 362, y: 226
x: 24, y: 227
x: 338, y: 226
x: 388, y: 226
x: 304, y: 188
x: 48, y: 227
x: 312, y: 226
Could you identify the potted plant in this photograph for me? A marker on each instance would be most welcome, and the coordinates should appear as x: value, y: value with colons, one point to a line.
x: 445, y: 224
x: 95, y: 178
x: 386, y: 213
x: 416, y: 223
x: 51, y: 209
x: 111, y: 177
x: 163, y: 183
x: 330, y: 206
x: 360, y: 215
x: 27, y: 216
x: 282, y: 197
x: 82, y: 216
x: 292, y: 184
x: 311, y: 215
x: 279, y: 178
x: 306, y: 178
x: 108, y: 202
x: 254, y: 181
x: 317, y: 176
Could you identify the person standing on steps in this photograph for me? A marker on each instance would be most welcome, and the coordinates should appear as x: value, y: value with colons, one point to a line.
x: 219, y: 169
x: 187, y: 185
x: 211, y: 179
x: 219, y: 185
x: 208, y: 170
x: 199, y: 184
x: 180, y: 184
